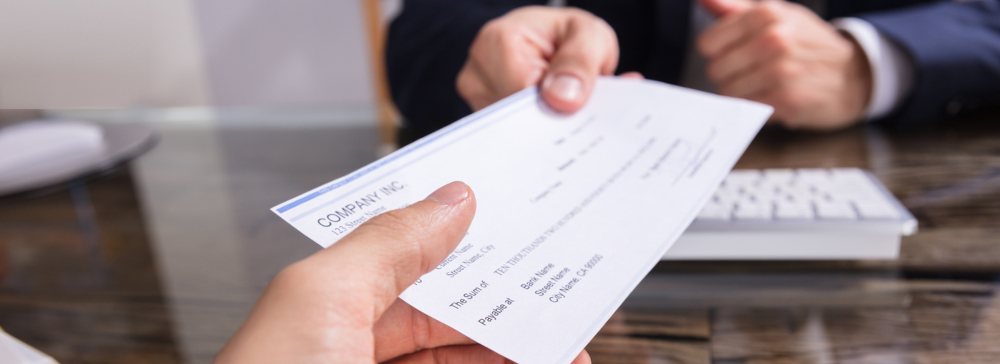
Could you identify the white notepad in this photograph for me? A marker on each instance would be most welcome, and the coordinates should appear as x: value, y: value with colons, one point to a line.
x: 573, y: 210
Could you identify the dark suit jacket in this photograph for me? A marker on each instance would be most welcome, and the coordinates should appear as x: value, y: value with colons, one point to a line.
x: 955, y: 48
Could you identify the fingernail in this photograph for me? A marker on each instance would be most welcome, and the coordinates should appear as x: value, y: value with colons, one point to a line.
x: 565, y: 87
x: 450, y: 194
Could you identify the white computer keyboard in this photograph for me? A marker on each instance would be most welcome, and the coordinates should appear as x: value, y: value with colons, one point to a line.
x: 797, y: 214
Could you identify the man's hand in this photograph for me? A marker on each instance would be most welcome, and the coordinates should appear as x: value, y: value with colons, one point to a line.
x: 783, y: 55
x: 340, y: 306
x: 561, y: 49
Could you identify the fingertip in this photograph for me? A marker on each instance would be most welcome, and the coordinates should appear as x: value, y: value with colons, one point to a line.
x: 563, y: 87
x: 632, y: 75
x: 720, y: 8
x: 583, y: 358
x: 458, y: 200
x: 564, y: 92
x: 451, y: 193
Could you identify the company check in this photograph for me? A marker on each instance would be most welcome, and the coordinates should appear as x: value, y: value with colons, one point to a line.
x: 573, y: 210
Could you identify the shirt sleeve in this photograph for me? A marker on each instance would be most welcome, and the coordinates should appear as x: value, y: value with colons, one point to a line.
x: 891, y: 67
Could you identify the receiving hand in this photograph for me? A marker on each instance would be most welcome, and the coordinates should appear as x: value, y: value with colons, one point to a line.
x: 784, y: 55
x: 340, y: 306
x: 563, y: 50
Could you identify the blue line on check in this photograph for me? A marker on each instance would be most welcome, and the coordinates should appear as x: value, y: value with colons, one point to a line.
x: 410, y: 148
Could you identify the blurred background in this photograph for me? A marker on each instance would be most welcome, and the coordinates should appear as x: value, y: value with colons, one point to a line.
x: 312, y: 59
x: 253, y: 102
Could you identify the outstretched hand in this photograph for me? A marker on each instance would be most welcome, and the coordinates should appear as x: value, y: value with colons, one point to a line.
x: 561, y: 50
x: 340, y: 306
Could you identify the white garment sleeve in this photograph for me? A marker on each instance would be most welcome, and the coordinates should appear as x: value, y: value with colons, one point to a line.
x: 891, y: 67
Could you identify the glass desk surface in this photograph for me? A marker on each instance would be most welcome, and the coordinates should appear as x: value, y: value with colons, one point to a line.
x: 160, y: 260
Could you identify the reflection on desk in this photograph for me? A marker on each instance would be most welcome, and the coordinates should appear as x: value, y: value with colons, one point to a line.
x: 160, y: 261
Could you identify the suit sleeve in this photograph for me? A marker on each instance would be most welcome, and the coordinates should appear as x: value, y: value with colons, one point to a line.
x: 427, y: 45
x: 955, y: 49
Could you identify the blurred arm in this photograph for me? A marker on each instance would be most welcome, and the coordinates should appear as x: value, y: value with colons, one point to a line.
x: 955, y: 50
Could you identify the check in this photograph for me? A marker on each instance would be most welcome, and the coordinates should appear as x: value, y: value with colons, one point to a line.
x: 573, y: 210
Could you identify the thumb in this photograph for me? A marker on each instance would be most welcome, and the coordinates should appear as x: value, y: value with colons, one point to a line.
x: 386, y: 254
x: 720, y: 8
x: 586, y: 49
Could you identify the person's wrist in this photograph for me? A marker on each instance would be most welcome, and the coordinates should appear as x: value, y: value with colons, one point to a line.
x: 858, y: 77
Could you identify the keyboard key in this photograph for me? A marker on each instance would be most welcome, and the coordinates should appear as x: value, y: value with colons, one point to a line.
x: 874, y: 210
x: 813, y: 175
x: 781, y: 176
x: 799, y: 188
x: 714, y: 211
x: 766, y: 199
x: 739, y: 177
x: 835, y: 210
x: 853, y: 184
x: 727, y: 201
x: 727, y: 192
x: 770, y: 188
x: 748, y: 198
x: 843, y: 194
x: 785, y: 210
x: 752, y: 211
x: 849, y: 175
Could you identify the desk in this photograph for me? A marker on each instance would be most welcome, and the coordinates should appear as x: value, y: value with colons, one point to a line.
x: 161, y: 260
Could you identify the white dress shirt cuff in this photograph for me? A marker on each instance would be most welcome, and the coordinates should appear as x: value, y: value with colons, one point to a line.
x: 891, y: 67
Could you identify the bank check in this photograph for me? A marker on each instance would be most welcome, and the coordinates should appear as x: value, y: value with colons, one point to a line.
x: 573, y: 210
